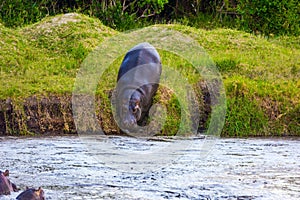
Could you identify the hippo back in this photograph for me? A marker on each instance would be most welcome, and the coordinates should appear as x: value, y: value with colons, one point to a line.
x: 141, y: 54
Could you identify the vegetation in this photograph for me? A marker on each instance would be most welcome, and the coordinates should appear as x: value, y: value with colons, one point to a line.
x: 43, y: 58
x: 261, y: 75
x: 261, y: 78
x: 270, y: 16
x: 267, y: 17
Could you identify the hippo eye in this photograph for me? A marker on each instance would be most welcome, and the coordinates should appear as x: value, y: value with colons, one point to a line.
x: 135, y: 110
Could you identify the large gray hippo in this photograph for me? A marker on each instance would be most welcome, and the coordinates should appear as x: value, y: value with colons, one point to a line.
x: 138, y: 80
x: 6, y: 187
x: 32, y: 194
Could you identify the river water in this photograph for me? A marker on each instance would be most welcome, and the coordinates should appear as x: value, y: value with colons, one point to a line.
x: 73, y: 167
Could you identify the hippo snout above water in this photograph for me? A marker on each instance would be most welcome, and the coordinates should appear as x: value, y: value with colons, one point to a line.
x: 32, y: 194
x: 137, y: 83
x: 6, y: 187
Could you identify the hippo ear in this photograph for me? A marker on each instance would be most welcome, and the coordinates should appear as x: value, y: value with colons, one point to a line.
x: 38, y: 191
x: 41, y: 194
x: 6, y: 173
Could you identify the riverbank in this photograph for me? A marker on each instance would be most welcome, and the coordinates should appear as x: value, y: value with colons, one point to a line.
x: 39, y: 64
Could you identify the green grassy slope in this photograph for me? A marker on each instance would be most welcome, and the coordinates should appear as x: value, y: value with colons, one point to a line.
x: 261, y: 76
x: 43, y: 58
x: 262, y: 80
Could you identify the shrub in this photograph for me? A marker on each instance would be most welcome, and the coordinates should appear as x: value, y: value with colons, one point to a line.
x: 17, y: 12
x: 119, y: 14
x: 268, y: 17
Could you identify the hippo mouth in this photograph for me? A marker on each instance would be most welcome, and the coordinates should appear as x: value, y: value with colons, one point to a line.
x: 131, y: 116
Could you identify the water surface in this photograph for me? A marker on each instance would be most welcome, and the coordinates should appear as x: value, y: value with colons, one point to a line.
x: 70, y: 167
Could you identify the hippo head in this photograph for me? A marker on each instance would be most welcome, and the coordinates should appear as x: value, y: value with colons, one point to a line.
x: 130, y: 112
x: 135, y: 106
x: 6, y: 187
x: 32, y: 194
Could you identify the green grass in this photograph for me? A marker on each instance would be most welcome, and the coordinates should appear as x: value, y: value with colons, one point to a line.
x: 44, y: 57
x: 261, y: 75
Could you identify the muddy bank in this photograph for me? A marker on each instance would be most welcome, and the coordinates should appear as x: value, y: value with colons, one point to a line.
x: 46, y: 115
x: 54, y: 115
x: 37, y: 115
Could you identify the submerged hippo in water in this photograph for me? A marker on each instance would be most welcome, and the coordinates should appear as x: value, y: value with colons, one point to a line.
x: 138, y: 80
x: 6, y: 187
x: 32, y: 194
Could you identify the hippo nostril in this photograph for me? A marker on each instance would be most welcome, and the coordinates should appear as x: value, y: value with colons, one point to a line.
x: 129, y: 123
x: 126, y: 123
x: 132, y: 122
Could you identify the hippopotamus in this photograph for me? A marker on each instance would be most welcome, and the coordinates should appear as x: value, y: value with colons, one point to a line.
x: 6, y: 187
x: 32, y: 194
x: 137, y: 82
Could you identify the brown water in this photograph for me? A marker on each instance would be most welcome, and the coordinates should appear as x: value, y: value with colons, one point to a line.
x: 72, y: 168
